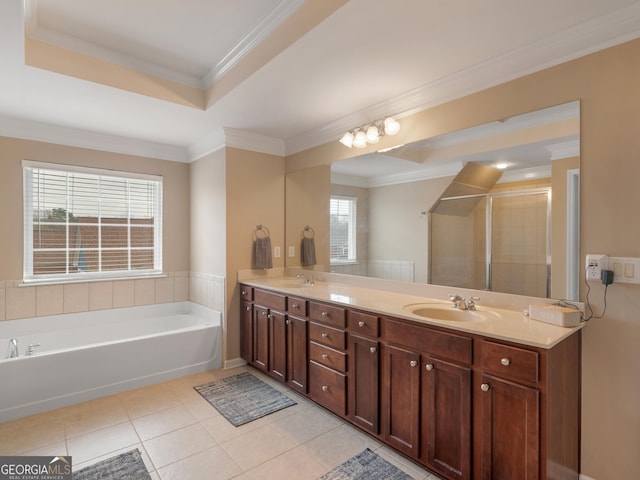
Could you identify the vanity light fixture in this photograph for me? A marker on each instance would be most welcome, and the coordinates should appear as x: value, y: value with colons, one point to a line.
x: 370, y: 133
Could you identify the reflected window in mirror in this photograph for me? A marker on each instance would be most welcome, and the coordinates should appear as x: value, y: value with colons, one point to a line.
x: 343, y: 214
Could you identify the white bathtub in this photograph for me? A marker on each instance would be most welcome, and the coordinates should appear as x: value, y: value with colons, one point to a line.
x: 88, y: 355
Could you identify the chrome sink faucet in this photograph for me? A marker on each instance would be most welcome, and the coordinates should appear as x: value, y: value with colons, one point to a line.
x: 462, y: 304
x: 305, y: 280
x: 13, y: 348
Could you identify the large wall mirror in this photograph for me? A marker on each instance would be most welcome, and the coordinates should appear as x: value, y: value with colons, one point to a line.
x: 492, y: 207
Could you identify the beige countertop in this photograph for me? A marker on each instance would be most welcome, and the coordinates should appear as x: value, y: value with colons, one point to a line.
x: 497, y: 323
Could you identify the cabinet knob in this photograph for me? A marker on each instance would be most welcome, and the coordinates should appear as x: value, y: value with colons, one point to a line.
x: 288, y: 322
x: 264, y: 313
x: 324, y: 388
x: 361, y: 324
x: 269, y: 317
x: 413, y: 363
x: 325, y: 335
x: 325, y: 356
x: 325, y: 314
x: 505, y: 361
x: 295, y: 306
x: 373, y: 349
x: 243, y: 292
x: 248, y: 309
x: 429, y: 367
x: 485, y: 387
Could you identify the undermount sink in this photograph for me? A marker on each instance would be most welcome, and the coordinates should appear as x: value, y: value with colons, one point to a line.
x: 290, y: 283
x: 448, y: 312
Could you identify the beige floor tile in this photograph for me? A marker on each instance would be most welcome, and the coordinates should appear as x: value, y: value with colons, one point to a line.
x: 201, y: 409
x: 295, y: 463
x: 30, y: 433
x: 162, y: 422
x: 211, y: 464
x: 336, y: 446
x: 102, y: 442
x: 59, y: 449
x: 306, y: 424
x: 179, y: 444
x: 257, y: 447
x: 223, y: 431
x: 148, y: 400
x: 94, y: 415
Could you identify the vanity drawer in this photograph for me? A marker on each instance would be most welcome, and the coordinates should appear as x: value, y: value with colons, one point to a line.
x: 509, y: 362
x: 328, y: 388
x: 328, y: 336
x: 328, y: 357
x: 246, y: 293
x: 297, y: 306
x: 364, y: 324
x: 448, y: 346
x: 270, y: 299
x: 328, y: 314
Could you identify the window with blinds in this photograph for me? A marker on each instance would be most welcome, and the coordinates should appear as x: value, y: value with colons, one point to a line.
x: 342, y: 215
x: 82, y: 223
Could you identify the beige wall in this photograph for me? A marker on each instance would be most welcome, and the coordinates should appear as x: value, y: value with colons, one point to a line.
x: 255, y: 195
x: 175, y: 196
x: 606, y: 83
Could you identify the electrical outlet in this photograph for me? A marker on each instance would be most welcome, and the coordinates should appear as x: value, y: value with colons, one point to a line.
x: 594, y: 266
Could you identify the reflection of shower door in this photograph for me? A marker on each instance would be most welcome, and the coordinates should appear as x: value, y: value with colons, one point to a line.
x: 498, y: 242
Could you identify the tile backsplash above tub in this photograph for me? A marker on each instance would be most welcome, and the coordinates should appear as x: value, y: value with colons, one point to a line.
x: 36, y: 301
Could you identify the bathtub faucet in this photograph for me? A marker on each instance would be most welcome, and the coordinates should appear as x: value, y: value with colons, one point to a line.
x: 31, y: 349
x: 13, y: 348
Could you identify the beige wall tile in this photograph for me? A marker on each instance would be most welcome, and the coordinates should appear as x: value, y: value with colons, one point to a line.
x: 164, y: 290
x: 3, y: 314
x: 49, y: 300
x: 123, y: 294
x: 76, y: 297
x: 144, y: 291
x: 100, y: 295
x: 181, y: 288
x: 20, y: 302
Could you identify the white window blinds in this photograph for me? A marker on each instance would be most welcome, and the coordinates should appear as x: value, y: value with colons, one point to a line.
x: 342, y: 214
x: 82, y: 223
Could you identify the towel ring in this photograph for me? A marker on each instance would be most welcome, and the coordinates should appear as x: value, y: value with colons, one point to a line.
x: 308, y: 231
x: 263, y: 229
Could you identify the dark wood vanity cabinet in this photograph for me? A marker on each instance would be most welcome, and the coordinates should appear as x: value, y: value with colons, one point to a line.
x: 463, y: 405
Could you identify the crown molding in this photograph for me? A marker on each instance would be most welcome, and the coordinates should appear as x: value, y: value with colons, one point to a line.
x: 564, y: 150
x: 532, y: 173
x: 253, y: 142
x: 545, y: 53
x: 206, y: 145
x: 73, y: 137
x: 264, y: 28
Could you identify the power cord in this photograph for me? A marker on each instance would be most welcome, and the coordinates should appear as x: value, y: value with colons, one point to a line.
x: 588, y: 305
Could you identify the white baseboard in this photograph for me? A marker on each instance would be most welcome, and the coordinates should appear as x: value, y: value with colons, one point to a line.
x: 237, y: 362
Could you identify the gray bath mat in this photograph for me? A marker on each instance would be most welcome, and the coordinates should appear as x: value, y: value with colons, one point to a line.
x: 243, y: 398
x: 126, y: 466
x: 366, y: 466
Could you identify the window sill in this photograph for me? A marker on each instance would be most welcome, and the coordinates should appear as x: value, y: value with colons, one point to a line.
x: 36, y: 283
x: 346, y: 262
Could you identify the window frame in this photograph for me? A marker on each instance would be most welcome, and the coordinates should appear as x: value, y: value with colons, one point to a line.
x: 351, y: 233
x: 156, y: 204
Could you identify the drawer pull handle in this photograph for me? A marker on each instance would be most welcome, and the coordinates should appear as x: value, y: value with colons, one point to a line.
x: 373, y: 349
x: 325, y: 335
x: 484, y: 387
x: 325, y: 314
x: 325, y: 356
x: 413, y: 363
x: 505, y: 361
x: 429, y: 367
x: 361, y: 324
x: 324, y: 388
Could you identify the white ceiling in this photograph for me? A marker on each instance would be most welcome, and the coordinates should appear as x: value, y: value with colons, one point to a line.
x: 368, y: 59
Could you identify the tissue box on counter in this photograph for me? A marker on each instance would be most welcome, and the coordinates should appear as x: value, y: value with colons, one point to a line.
x: 555, y: 314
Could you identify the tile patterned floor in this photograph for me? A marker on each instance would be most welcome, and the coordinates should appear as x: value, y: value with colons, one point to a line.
x: 182, y: 437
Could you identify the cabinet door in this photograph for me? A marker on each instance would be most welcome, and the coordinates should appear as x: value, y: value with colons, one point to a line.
x: 510, y: 430
x: 401, y: 397
x: 446, y: 418
x: 277, y: 346
x: 364, y: 366
x: 261, y: 338
x: 297, y: 353
x: 246, y: 331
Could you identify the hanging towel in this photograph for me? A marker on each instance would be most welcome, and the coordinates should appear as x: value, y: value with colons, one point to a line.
x: 262, y: 250
x: 308, y: 251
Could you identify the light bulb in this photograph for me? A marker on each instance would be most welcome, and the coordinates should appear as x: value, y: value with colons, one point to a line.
x: 373, y: 136
x: 391, y: 127
x: 360, y: 140
x: 347, y: 139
